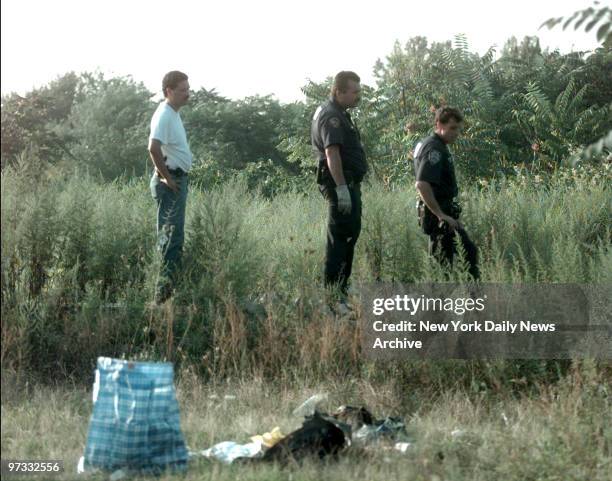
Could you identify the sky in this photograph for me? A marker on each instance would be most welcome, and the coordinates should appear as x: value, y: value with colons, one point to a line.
x: 243, y: 48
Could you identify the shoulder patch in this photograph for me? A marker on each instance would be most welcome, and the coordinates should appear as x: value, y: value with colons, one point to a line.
x: 434, y: 157
x: 334, y: 122
x: 417, y: 150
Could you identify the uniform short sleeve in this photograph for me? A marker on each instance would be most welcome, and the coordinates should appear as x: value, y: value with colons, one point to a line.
x: 160, y: 128
x: 430, y: 166
x: 331, y: 131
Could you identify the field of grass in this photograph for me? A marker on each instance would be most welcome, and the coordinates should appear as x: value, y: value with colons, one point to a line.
x: 78, y: 270
x: 79, y: 266
x: 558, y: 432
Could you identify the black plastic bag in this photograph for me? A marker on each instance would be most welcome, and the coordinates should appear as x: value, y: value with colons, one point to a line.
x: 317, y: 437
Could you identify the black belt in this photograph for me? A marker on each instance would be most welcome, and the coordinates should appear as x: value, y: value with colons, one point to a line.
x: 330, y: 184
x: 177, y: 172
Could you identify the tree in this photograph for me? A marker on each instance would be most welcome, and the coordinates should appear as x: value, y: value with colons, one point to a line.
x: 109, y: 126
x: 33, y: 120
x: 590, y: 17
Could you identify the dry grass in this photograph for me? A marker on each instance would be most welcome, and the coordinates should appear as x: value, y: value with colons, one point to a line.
x: 560, y: 432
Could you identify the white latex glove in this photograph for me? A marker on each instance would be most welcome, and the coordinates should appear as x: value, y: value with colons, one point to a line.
x: 344, y: 199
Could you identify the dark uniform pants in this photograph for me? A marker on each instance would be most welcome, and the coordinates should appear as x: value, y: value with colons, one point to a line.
x: 442, y: 247
x: 342, y: 233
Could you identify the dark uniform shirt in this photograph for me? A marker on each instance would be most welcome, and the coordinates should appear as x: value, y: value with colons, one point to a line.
x: 433, y: 163
x: 332, y: 125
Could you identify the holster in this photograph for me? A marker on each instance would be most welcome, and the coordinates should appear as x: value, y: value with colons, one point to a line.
x: 454, y: 209
x: 326, y: 181
x: 321, y: 168
x: 427, y: 220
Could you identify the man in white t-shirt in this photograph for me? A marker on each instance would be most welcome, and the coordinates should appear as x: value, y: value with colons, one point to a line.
x: 172, y: 158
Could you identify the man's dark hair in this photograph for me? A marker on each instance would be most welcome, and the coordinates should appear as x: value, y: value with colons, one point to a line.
x: 444, y: 114
x: 172, y: 79
x: 341, y: 81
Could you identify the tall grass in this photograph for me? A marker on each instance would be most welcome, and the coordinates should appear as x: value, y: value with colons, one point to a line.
x: 79, y: 267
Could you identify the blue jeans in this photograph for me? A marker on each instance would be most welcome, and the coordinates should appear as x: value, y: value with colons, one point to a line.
x: 170, y: 228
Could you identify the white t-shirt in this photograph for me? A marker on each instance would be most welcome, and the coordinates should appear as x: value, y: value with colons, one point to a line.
x: 167, y: 127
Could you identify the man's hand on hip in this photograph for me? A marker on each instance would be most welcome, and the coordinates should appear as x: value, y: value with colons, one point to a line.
x: 344, y: 199
x: 170, y: 183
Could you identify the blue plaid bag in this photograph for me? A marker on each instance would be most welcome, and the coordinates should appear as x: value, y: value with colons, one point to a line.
x: 135, y: 422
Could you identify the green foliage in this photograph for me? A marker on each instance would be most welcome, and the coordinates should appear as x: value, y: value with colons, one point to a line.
x: 109, y: 124
x: 221, y: 258
x: 590, y: 18
x: 33, y: 120
x: 559, y: 128
x: 89, y: 122
x: 79, y: 264
x: 246, y: 137
x: 527, y: 103
x: 523, y: 105
x: 78, y: 259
